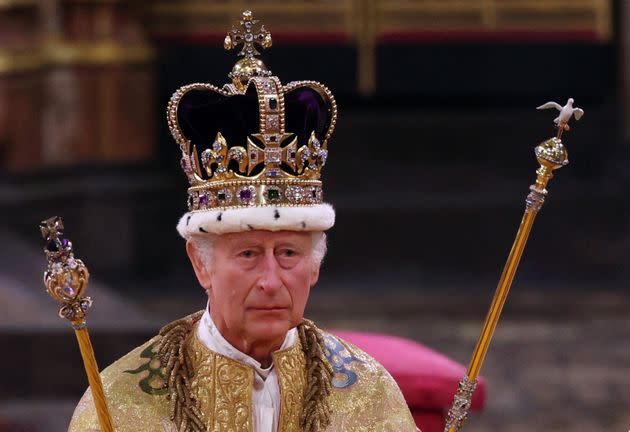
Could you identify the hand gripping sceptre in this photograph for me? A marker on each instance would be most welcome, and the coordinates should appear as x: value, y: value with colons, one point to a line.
x: 66, y: 278
x: 551, y: 155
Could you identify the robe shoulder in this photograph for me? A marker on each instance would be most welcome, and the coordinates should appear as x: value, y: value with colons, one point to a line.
x: 134, y: 392
x: 365, y: 397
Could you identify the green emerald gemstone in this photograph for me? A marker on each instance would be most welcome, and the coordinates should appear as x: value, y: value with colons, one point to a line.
x: 273, y: 103
x: 273, y: 194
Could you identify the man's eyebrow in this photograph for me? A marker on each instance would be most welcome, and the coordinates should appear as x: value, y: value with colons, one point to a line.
x: 294, y: 244
x: 287, y: 243
x: 244, y: 245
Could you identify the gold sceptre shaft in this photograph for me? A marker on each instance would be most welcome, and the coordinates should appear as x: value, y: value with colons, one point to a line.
x: 551, y: 154
x: 66, y: 279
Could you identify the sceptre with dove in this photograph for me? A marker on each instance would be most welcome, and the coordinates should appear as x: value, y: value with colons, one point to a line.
x: 551, y: 155
x: 566, y: 112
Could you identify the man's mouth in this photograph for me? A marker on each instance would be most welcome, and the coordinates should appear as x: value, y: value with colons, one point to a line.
x: 268, y: 308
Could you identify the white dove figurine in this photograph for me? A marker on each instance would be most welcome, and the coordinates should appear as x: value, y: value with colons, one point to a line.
x: 566, y: 112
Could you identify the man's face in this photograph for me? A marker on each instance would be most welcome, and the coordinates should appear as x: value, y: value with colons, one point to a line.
x: 258, y: 284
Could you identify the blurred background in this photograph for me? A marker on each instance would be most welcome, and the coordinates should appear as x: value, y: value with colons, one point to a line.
x: 429, y: 168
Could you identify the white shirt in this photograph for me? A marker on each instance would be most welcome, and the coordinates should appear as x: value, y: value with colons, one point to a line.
x: 266, y: 397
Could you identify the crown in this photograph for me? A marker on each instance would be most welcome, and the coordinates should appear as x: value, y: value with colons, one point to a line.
x: 252, y: 142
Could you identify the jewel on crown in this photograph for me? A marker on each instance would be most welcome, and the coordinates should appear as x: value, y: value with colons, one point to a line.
x: 260, y: 142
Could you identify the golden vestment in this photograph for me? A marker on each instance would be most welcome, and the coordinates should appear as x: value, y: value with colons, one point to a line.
x: 365, y: 398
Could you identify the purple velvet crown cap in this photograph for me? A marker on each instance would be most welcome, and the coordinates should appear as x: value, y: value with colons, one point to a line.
x: 203, y: 113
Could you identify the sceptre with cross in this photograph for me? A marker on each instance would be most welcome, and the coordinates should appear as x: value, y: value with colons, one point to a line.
x: 66, y: 279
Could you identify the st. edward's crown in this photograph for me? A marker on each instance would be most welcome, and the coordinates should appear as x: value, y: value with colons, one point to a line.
x: 254, y: 141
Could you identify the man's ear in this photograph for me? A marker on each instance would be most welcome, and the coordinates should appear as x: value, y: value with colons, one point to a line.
x: 315, y: 274
x: 203, y: 276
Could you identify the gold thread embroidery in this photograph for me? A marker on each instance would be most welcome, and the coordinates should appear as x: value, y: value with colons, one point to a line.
x: 291, y: 365
x: 223, y: 388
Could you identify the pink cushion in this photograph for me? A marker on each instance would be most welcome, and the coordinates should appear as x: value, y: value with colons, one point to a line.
x: 427, y: 379
x: 429, y: 421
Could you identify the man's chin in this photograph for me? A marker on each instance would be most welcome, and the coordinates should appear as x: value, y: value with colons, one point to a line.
x: 269, y: 327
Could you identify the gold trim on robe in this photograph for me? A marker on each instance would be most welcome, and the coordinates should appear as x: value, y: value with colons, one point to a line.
x: 365, y: 398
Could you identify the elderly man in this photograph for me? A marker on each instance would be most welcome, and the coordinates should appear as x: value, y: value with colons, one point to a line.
x: 255, y: 238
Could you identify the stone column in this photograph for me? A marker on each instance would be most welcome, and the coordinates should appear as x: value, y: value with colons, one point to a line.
x: 99, y: 96
x: 20, y: 85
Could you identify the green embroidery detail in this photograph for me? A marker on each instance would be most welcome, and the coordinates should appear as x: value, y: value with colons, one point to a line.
x: 154, y: 383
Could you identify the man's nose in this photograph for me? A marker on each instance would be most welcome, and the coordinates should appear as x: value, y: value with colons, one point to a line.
x: 270, y: 281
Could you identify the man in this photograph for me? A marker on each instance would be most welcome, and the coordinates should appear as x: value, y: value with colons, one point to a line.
x: 255, y: 238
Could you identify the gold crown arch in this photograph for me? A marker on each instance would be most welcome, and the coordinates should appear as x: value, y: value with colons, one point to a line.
x: 290, y: 173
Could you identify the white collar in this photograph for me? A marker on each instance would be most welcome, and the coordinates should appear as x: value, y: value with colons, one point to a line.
x: 212, y: 338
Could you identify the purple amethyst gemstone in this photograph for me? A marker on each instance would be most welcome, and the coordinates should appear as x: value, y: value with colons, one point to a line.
x: 64, y: 243
x: 245, y: 194
x: 203, y: 200
x: 69, y: 291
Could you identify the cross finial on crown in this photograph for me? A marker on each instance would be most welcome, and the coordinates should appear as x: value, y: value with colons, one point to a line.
x: 248, y: 36
x: 249, y: 66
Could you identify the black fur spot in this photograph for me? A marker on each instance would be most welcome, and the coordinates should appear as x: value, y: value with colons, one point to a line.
x: 276, y: 214
x: 250, y: 227
x: 219, y: 216
x: 303, y: 224
x: 188, y: 220
x: 203, y: 230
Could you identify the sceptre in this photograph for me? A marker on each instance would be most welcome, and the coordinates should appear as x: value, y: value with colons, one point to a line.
x: 551, y: 154
x: 66, y: 279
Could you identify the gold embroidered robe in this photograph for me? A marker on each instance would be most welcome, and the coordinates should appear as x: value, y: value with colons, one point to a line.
x: 365, y: 398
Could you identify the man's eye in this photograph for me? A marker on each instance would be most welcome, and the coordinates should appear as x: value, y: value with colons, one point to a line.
x: 289, y: 252
x: 247, y: 254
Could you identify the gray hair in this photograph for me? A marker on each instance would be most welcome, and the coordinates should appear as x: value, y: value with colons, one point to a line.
x: 204, y: 245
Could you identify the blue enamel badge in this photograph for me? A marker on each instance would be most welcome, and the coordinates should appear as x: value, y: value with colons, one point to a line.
x: 339, y: 357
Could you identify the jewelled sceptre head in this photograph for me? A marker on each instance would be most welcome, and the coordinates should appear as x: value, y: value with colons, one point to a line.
x: 66, y: 278
x: 551, y: 155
